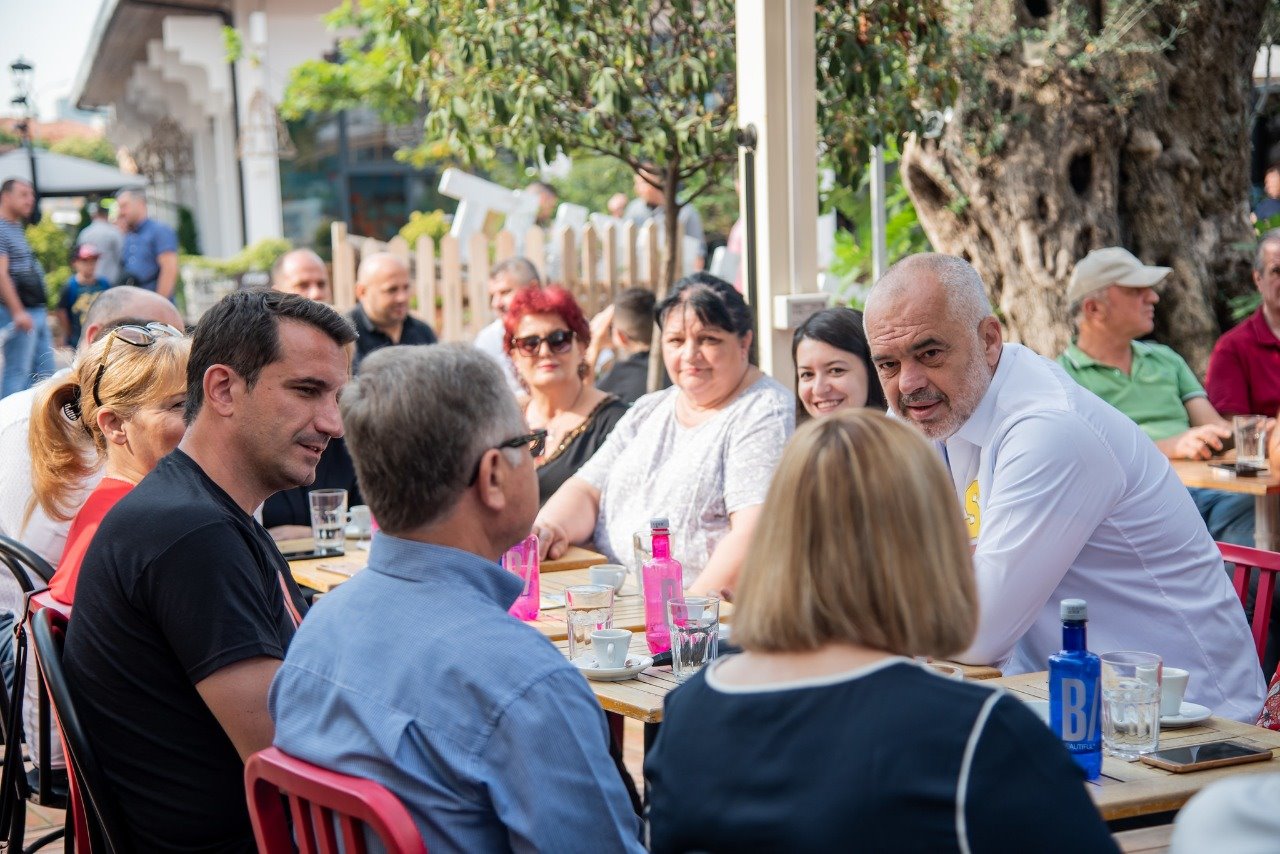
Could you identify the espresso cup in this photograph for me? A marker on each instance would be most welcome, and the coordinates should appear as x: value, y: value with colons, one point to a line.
x: 608, y: 575
x: 1172, y: 688
x: 610, y: 647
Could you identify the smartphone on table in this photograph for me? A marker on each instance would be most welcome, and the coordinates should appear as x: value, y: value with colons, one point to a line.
x: 1197, y: 757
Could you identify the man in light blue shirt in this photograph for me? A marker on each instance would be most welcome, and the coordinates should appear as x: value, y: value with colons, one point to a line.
x: 413, y: 674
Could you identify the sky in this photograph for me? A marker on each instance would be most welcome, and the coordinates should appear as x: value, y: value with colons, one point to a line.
x: 52, y: 35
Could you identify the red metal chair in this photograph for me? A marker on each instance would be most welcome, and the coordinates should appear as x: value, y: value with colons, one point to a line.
x: 323, y: 804
x: 1268, y: 564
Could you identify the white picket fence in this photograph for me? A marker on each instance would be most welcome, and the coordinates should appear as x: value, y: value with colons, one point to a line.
x: 450, y: 280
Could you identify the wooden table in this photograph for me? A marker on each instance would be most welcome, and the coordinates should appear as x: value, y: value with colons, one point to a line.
x: 323, y: 574
x: 1128, y: 789
x: 641, y: 698
x: 1265, y: 489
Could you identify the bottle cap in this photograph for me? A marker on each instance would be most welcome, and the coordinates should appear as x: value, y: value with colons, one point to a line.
x: 1074, y: 610
x: 658, y: 522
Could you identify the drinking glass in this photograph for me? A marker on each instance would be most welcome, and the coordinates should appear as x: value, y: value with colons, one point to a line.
x: 1251, y: 439
x: 522, y: 560
x: 1130, y: 703
x: 328, y: 518
x: 587, y: 608
x: 641, y: 550
x: 695, y: 633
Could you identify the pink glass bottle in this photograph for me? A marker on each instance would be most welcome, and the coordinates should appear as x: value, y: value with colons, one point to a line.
x: 522, y: 560
x: 663, y: 581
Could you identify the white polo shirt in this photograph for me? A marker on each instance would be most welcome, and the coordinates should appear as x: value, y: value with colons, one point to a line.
x: 1065, y: 497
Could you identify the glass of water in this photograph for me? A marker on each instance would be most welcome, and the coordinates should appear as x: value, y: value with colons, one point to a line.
x: 328, y: 518
x: 587, y: 608
x: 1130, y: 703
x: 641, y: 551
x: 695, y: 633
x: 1251, y: 439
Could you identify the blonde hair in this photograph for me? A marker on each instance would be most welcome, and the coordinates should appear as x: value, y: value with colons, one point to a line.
x: 64, y: 438
x: 860, y: 541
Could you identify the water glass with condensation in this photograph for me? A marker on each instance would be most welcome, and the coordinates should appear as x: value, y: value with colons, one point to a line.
x: 587, y: 608
x: 1130, y: 703
x: 1251, y: 439
x: 695, y: 633
x: 641, y: 551
x: 328, y: 518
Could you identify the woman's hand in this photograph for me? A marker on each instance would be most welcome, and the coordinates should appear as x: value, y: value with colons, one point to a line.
x: 553, y: 542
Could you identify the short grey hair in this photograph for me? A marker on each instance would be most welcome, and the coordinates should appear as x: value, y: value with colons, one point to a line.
x: 302, y: 252
x: 966, y: 293
x: 521, y: 270
x: 417, y: 422
x: 137, y: 195
x: 1271, y: 238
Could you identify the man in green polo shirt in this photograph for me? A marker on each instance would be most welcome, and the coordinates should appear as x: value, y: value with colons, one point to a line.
x: 1112, y: 298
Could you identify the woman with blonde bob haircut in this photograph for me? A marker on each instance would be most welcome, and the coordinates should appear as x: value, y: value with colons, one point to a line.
x: 119, y: 409
x: 825, y: 733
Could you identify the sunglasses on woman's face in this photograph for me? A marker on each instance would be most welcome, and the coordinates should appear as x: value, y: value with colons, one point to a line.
x: 138, y: 336
x: 559, y: 342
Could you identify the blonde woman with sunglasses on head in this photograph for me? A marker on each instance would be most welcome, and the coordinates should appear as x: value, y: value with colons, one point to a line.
x: 120, y: 408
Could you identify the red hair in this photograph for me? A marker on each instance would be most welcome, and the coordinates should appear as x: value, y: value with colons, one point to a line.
x: 549, y: 300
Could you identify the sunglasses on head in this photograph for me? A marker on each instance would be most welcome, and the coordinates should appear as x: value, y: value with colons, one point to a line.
x: 559, y: 342
x: 138, y: 336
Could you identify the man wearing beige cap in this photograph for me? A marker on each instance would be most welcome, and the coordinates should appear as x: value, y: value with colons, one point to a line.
x: 1112, y: 298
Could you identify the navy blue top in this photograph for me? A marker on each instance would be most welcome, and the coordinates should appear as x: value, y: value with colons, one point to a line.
x: 890, y: 757
x: 76, y: 300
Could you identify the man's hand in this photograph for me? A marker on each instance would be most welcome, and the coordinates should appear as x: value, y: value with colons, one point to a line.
x: 553, y: 542
x: 22, y: 321
x: 1198, y: 443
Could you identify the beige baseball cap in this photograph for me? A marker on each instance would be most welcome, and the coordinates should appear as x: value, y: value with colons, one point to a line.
x: 1111, y: 266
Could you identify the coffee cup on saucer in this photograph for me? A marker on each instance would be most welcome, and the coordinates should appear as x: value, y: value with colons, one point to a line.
x: 1172, y: 687
x: 610, y: 647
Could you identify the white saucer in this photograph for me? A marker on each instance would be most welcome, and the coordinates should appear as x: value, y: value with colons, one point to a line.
x: 1189, y: 715
x: 635, y: 665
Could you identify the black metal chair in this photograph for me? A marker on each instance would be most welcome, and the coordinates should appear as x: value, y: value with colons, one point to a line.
x: 95, y: 818
x: 31, y: 572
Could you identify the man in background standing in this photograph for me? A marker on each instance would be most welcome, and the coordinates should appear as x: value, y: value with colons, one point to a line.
x: 149, y: 258
x: 650, y: 204
x: 28, y: 347
x: 508, y: 278
x: 110, y: 242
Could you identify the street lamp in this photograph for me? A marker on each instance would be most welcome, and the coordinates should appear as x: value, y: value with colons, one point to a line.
x: 23, y: 72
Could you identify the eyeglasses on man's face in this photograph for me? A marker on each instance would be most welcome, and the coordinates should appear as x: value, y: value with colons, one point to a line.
x: 536, y: 440
x: 138, y: 336
x: 558, y: 341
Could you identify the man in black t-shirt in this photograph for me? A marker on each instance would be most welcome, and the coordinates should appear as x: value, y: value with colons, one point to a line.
x: 184, y: 607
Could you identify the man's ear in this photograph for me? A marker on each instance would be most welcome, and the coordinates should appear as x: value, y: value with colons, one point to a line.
x: 491, y: 484
x: 222, y: 389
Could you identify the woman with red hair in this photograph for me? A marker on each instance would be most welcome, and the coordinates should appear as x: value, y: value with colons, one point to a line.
x: 546, y: 338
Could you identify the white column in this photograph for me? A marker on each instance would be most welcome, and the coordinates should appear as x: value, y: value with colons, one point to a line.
x: 263, y: 217
x: 777, y: 94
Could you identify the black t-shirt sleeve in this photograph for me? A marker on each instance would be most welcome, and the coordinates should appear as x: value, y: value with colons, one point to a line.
x: 213, y: 601
x: 1026, y: 793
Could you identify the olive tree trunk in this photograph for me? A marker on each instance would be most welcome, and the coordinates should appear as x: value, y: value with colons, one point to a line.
x: 1047, y: 159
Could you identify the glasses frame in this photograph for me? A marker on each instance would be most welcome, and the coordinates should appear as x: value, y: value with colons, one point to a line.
x: 531, y: 344
x: 138, y: 336
x: 536, y: 439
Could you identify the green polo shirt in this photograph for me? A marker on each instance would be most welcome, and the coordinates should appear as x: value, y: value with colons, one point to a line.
x: 1154, y: 393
